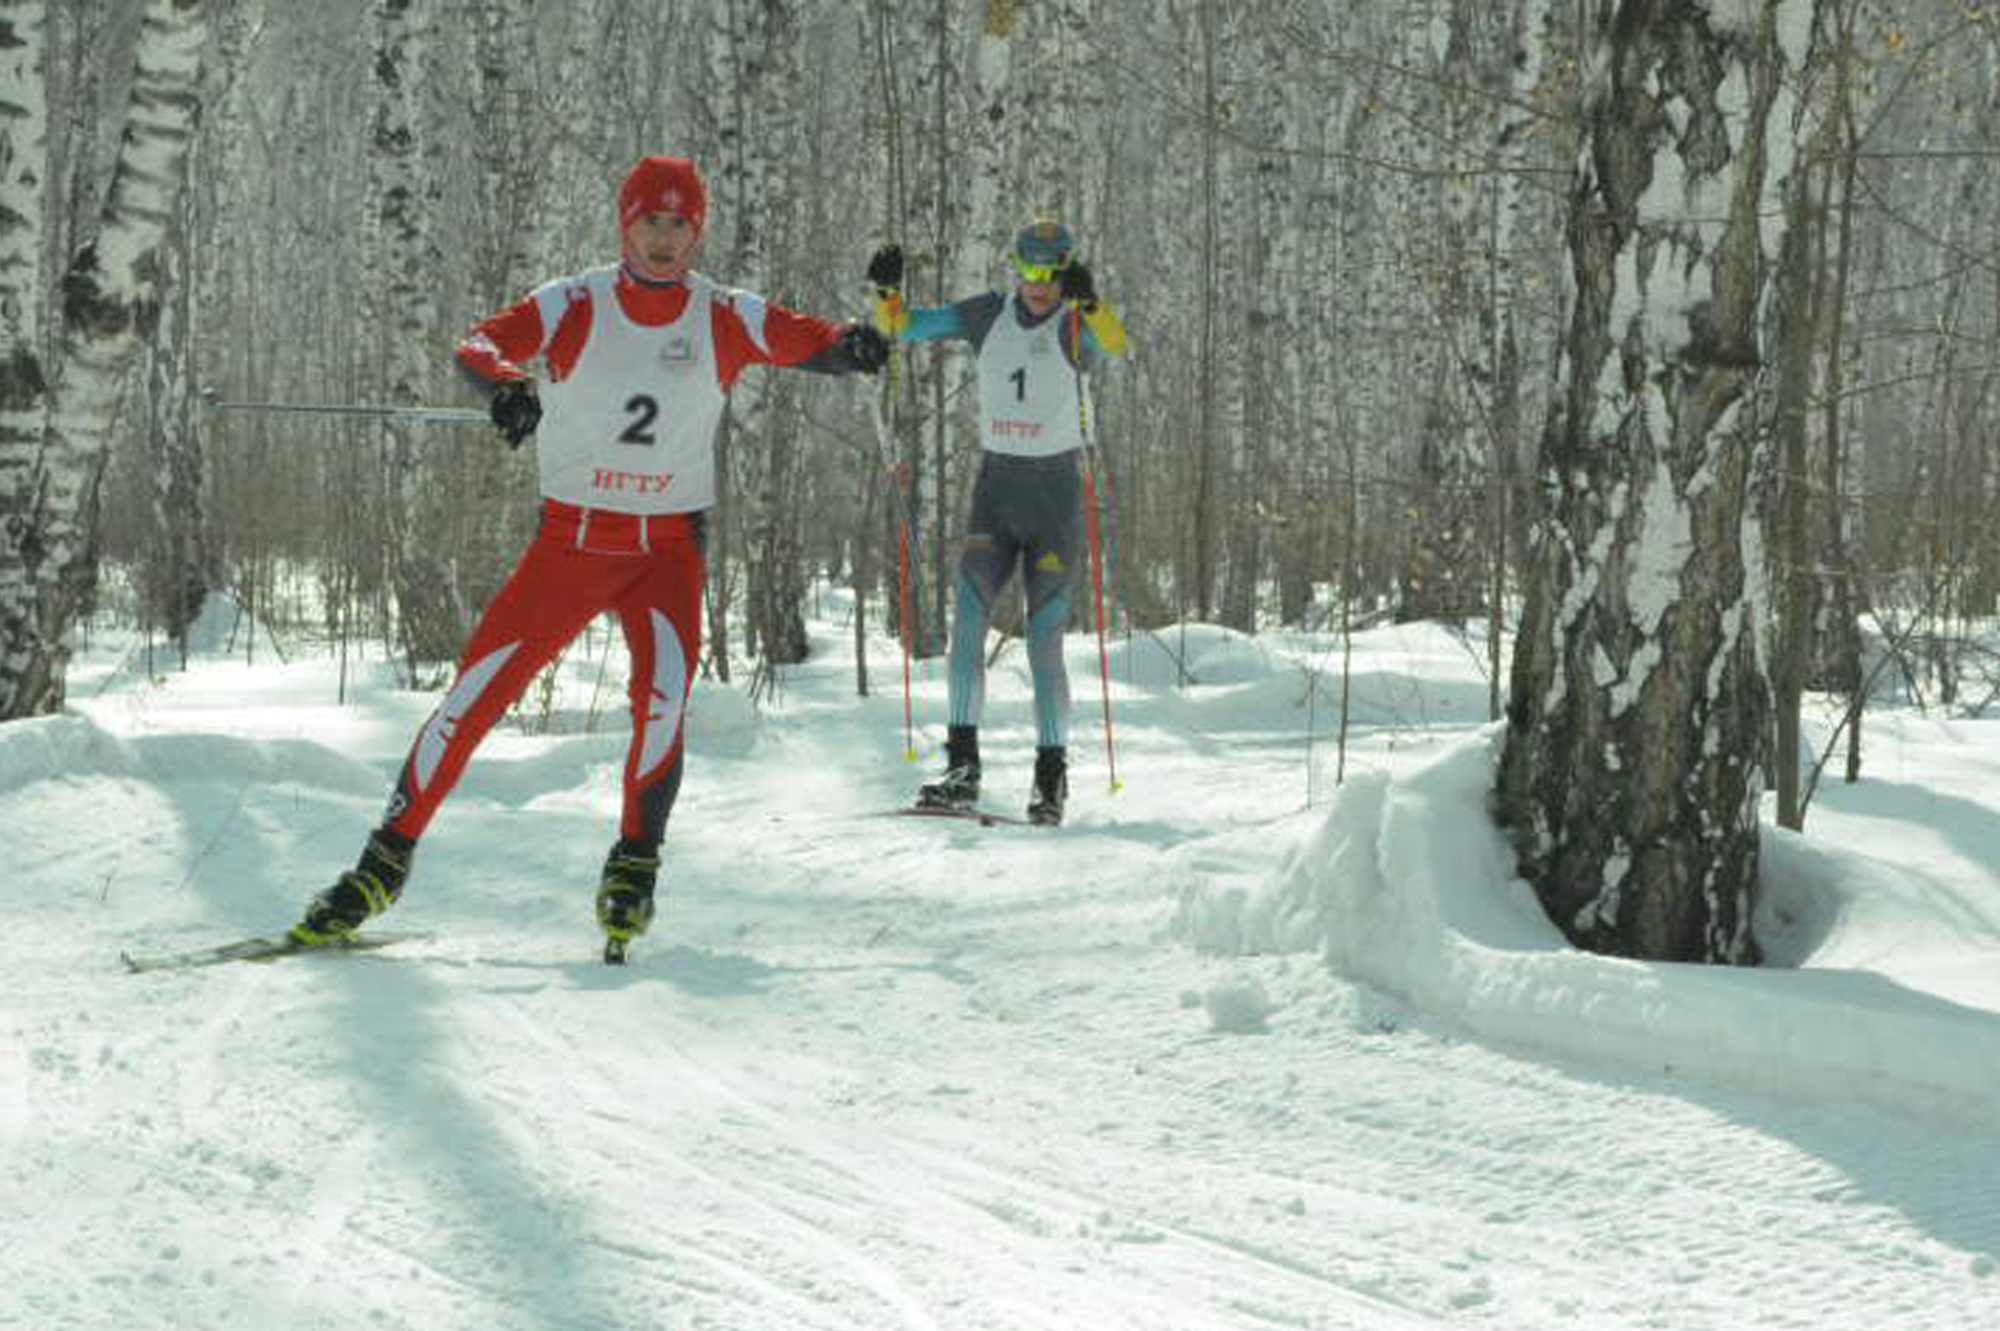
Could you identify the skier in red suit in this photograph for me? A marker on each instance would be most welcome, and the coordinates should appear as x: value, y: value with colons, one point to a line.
x: 637, y: 360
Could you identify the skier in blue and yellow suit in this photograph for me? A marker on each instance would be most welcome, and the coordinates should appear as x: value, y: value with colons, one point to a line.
x: 1027, y: 503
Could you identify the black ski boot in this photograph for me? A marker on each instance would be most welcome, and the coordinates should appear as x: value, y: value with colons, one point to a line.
x: 1051, y: 786
x: 360, y: 894
x: 625, y: 896
x: 958, y: 788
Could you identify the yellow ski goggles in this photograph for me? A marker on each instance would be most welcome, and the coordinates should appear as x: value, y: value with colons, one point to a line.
x: 1036, y: 272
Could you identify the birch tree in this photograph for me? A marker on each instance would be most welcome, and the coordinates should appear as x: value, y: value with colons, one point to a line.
x: 1808, y: 291
x: 23, y: 378
x: 1204, y: 536
x: 176, y: 559
x: 986, y: 148
x: 754, y: 71
x: 175, y: 569
x: 938, y: 213
x: 1637, y: 736
x: 980, y: 135
x: 403, y: 196
x: 49, y: 477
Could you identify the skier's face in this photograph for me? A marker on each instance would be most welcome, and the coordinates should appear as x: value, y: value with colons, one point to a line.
x: 661, y: 245
x: 1041, y: 297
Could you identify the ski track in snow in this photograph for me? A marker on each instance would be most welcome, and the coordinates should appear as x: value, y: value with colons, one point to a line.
x: 866, y: 1073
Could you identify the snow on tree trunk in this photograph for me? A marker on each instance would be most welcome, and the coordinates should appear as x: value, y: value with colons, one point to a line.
x: 1638, y: 725
x: 48, y: 486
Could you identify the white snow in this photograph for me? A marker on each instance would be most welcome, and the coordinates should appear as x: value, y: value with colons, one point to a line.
x: 1202, y: 1059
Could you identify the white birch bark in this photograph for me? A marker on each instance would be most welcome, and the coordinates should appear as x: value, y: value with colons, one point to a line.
x: 421, y: 519
x: 928, y: 386
x: 733, y: 249
x: 1242, y: 264
x: 991, y: 216
x: 107, y: 285
x: 1638, y: 725
x: 174, y: 569
x: 756, y: 88
x: 768, y: 466
x: 23, y: 381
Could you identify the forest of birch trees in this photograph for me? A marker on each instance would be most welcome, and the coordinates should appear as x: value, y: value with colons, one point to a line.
x: 1664, y: 331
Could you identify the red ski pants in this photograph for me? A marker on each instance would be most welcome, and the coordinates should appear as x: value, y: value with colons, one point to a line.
x: 649, y: 571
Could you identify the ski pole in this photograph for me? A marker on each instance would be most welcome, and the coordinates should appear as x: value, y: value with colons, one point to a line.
x: 350, y: 409
x: 1091, y: 500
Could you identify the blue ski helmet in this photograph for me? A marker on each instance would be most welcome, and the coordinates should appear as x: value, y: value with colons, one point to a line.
x: 1044, y: 244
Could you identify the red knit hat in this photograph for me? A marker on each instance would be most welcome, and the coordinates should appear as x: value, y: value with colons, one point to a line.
x: 663, y: 185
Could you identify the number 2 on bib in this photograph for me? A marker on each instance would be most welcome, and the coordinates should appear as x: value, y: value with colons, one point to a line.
x: 643, y: 410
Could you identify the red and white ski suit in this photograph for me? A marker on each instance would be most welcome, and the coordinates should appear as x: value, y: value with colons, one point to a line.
x: 636, y: 375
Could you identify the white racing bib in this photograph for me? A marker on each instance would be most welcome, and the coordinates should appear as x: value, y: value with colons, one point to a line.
x: 632, y: 429
x: 1027, y: 389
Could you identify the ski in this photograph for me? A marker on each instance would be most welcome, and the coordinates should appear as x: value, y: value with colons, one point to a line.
x: 984, y: 817
x: 262, y: 949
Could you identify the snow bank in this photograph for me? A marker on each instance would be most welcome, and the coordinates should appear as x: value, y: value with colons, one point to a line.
x: 1210, y: 679
x: 73, y: 747
x: 1407, y: 885
x: 1189, y: 654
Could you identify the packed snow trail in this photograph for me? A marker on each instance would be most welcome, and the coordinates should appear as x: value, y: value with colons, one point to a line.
x: 866, y: 1072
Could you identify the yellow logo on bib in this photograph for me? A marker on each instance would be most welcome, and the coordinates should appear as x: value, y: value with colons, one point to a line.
x: 1050, y: 563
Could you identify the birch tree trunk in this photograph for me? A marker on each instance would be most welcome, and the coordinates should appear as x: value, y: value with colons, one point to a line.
x: 1806, y: 297
x: 48, y: 501
x: 509, y: 146
x: 1269, y: 365
x: 754, y: 54
x: 175, y: 566
x: 1837, y: 635
x: 990, y: 133
x: 1205, y: 536
x: 1638, y: 729
x: 23, y: 381
x: 430, y: 613
x: 943, y: 431
x: 1435, y: 554
x: 886, y: 89
x: 513, y: 169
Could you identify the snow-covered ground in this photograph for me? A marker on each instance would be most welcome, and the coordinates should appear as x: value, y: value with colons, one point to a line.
x: 1207, y: 1057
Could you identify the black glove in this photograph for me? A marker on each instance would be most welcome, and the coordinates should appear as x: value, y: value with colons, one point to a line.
x: 1077, y: 286
x: 515, y: 410
x: 885, y: 270
x: 866, y: 349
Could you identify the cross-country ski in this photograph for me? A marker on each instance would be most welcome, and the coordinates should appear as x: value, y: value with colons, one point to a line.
x: 261, y: 949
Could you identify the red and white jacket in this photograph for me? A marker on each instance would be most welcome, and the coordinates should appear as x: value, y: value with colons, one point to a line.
x: 636, y: 377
